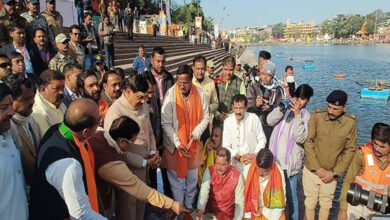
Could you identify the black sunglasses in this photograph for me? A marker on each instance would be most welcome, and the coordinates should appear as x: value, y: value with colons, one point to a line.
x: 5, y: 65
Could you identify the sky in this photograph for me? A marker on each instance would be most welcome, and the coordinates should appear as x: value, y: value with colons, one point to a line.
x: 238, y: 13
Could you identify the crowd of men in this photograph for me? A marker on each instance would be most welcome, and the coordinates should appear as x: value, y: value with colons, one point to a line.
x: 79, y: 140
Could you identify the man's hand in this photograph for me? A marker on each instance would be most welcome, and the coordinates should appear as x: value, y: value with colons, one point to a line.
x: 266, y: 108
x: 221, y: 117
x: 321, y: 172
x: 179, y: 209
x: 328, y: 177
x: 210, y: 146
x: 157, y: 162
x: 258, y: 213
x: 342, y: 215
x: 151, y: 161
x: 248, y: 158
x: 199, y: 214
x: 183, y: 150
x: 259, y: 101
x: 88, y: 39
x: 190, y: 142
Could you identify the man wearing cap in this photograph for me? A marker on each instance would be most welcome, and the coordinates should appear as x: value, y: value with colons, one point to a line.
x: 210, y: 69
x: 329, y: 147
x: 62, y: 57
x: 239, y: 71
x: 35, y: 20
x: 9, y: 16
x: 265, y: 95
x: 53, y: 17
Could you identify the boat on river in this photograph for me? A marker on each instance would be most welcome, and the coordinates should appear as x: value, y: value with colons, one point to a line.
x: 378, y: 89
x: 308, y: 64
x: 279, y: 55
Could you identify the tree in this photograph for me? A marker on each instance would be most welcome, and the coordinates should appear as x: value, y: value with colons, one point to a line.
x: 326, y: 27
x: 277, y: 30
x: 187, y: 13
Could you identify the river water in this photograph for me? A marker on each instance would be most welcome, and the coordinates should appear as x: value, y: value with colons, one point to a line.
x: 358, y: 63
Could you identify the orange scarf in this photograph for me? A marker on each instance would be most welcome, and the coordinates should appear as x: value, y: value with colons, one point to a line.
x: 103, y: 107
x: 273, y: 196
x: 89, y: 165
x: 189, y: 115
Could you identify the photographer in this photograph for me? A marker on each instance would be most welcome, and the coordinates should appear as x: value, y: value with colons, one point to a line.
x: 370, y: 168
x: 286, y: 143
x: 265, y: 95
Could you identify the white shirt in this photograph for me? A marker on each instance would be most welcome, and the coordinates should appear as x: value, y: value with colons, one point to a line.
x: 13, y: 200
x: 66, y: 176
x: 73, y: 95
x: 245, y: 137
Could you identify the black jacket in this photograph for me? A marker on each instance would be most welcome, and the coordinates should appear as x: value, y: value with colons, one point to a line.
x: 38, y: 63
x: 45, y: 201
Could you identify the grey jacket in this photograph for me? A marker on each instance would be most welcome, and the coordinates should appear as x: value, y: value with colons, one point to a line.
x: 299, y: 126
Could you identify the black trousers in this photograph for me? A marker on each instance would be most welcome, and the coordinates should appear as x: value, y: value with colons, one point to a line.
x: 289, y: 210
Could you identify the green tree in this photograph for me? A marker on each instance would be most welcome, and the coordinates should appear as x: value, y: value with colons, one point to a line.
x: 373, y: 19
x: 326, y: 27
x: 187, y: 13
x: 277, y: 30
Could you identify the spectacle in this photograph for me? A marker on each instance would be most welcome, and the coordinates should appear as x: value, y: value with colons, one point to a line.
x: 5, y: 65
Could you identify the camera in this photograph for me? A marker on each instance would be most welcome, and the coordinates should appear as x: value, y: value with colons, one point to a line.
x: 372, y: 200
x: 285, y: 104
x: 250, y: 70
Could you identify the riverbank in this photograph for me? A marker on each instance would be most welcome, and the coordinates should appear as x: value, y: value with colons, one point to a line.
x: 315, y: 43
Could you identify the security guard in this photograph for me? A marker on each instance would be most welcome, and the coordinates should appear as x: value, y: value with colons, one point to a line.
x: 53, y: 18
x: 58, y: 62
x: 329, y: 147
x: 370, y: 168
x: 9, y: 16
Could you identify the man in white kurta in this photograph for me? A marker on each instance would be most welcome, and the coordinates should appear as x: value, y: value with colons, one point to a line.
x: 243, y: 135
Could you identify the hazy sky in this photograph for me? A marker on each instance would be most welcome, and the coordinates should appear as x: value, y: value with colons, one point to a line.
x: 238, y: 13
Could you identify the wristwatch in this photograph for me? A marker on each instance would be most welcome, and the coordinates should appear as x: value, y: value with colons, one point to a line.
x: 335, y: 175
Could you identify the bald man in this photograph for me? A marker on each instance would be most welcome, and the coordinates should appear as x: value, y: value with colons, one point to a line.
x: 63, y: 185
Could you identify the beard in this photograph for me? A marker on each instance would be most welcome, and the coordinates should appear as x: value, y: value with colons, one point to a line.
x: 95, y: 97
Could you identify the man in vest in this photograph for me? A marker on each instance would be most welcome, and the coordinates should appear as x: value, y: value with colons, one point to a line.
x: 243, y: 135
x: 265, y: 189
x: 370, y: 168
x: 222, y: 191
x: 184, y: 117
x: 64, y: 184
x: 227, y: 86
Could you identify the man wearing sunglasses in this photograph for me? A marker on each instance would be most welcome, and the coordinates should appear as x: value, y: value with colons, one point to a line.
x: 5, y: 66
x: 76, y: 50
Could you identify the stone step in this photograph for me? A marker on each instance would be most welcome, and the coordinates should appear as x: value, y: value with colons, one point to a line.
x: 175, y: 61
x: 173, y: 52
x: 134, y: 48
x: 216, y: 58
